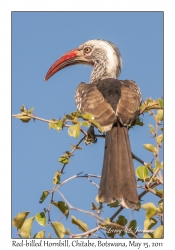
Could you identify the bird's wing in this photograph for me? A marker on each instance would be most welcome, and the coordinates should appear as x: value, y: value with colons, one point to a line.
x: 90, y: 100
x: 109, y: 99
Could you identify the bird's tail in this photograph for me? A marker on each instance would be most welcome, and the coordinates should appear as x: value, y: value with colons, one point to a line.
x: 118, y: 179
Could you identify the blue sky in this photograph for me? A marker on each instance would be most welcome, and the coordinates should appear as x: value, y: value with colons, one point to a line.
x: 40, y: 38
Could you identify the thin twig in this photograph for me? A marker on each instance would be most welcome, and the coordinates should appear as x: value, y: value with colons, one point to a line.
x: 89, y: 232
x: 73, y: 150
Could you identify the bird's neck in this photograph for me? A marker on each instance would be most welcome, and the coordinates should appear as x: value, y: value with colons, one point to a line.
x: 103, y: 69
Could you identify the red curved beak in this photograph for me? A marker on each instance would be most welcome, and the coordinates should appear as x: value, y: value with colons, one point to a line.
x: 72, y: 57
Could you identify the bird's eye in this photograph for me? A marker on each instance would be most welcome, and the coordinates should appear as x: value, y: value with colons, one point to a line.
x: 87, y: 50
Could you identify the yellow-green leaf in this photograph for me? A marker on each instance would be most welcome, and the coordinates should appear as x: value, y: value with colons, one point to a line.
x: 88, y: 117
x: 25, y: 230
x: 160, y: 101
x: 158, y: 233
x: 97, y: 199
x: 39, y: 235
x: 86, y: 124
x: 30, y: 110
x: 64, y: 159
x: 160, y: 207
x: 74, y: 130
x: 151, y: 129
x: 150, y: 148
x: 149, y: 223
x: 41, y: 219
x: 159, y: 192
x: 62, y: 206
x: 97, y: 125
x: 44, y: 196
x: 160, y: 139
x: 159, y: 115
x: 150, y: 208
x: 56, y: 178
x: 157, y: 165
x: 19, y: 219
x: 81, y: 225
x: 58, y: 228
x: 142, y: 172
x: 56, y: 124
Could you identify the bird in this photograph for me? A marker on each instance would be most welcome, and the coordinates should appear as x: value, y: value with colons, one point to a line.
x: 114, y: 104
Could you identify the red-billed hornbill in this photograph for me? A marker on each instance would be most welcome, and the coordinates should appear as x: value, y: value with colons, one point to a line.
x: 114, y: 104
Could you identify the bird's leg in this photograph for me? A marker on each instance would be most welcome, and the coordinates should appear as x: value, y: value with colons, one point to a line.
x: 91, y: 138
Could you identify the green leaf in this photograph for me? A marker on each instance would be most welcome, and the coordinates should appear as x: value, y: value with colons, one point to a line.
x: 70, y: 117
x: 56, y: 178
x: 30, y: 110
x: 94, y: 206
x: 159, y: 115
x: 159, y: 139
x: 113, y: 204
x: 160, y: 207
x: 64, y: 159
x: 149, y: 223
x: 41, y: 219
x: 88, y: 116
x: 59, y: 229
x: 148, y: 105
x: 76, y: 114
x: 81, y: 225
x: 158, y: 233
x: 97, y: 125
x: 151, y: 129
x: 44, y: 196
x: 86, y: 124
x: 150, y: 148
x: 138, y: 121
x: 157, y: 165
x: 74, y: 130
x: 121, y: 220
x: 142, y: 173
x: 159, y: 192
x: 25, y: 230
x: 19, y: 219
x: 151, y: 209
x: 62, y: 206
x: 133, y: 227
x: 111, y: 231
x: 57, y: 125
x: 160, y: 101
x: 39, y: 235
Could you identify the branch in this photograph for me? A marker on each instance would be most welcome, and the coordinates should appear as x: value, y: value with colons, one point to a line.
x: 142, y: 162
x: 96, y: 216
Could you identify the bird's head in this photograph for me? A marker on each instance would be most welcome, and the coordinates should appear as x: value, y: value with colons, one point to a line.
x: 104, y: 56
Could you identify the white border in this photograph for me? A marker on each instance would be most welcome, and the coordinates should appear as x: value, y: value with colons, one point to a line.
x: 5, y: 94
